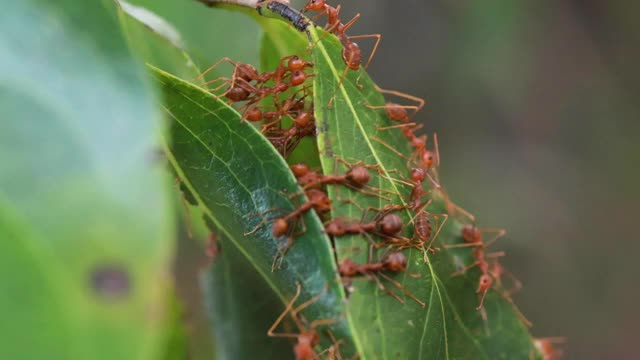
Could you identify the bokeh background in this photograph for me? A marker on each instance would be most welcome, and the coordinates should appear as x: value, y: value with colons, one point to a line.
x: 536, y: 106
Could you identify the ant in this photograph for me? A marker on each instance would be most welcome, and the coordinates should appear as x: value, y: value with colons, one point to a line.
x: 423, y: 230
x: 394, y: 262
x: 473, y: 237
x: 318, y: 201
x: 397, y: 112
x: 546, y: 348
x: 351, y: 53
x: 285, y: 140
x: 308, y: 338
x: 289, y: 106
x: 355, y: 178
x: 385, y: 224
x: 423, y: 158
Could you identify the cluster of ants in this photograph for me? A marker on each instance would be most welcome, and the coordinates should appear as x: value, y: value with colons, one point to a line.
x: 283, y: 103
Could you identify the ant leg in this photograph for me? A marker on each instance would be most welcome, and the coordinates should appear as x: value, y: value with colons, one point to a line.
x: 264, y: 220
x: 417, y: 100
x: 465, y: 269
x: 378, y: 37
x: 377, y: 139
x: 499, y: 233
x: 519, y: 313
x: 404, y: 289
x: 463, y: 245
x: 436, y: 148
x: 495, y: 255
x: 307, y: 303
x: 224, y: 59
x: 485, y: 321
x: 454, y: 208
x: 517, y: 284
x: 383, y: 288
x: 287, y: 309
x: 399, y: 126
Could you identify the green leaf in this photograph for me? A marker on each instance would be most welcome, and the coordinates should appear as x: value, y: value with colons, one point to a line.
x: 449, y: 326
x: 236, y: 175
x: 155, y: 40
x: 92, y: 228
x: 241, y: 307
x: 209, y: 34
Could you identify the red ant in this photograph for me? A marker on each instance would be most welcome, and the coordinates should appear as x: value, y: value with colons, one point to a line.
x: 290, y: 106
x: 285, y: 140
x: 351, y: 54
x: 394, y: 262
x: 546, y: 348
x: 472, y: 236
x: 308, y: 338
x: 384, y: 224
x: 423, y: 231
x: 355, y: 178
x: 318, y: 201
x: 422, y: 157
x: 397, y: 112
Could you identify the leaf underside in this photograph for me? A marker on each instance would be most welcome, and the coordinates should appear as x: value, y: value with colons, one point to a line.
x: 235, y: 176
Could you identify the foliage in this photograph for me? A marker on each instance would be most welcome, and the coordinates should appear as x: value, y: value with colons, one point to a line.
x: 93, y: 279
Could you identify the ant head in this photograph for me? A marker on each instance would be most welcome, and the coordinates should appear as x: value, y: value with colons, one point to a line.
x: 359, y: 175
x: 299, y: 170
x: 471, y: 234
x: 254, y: 115
x: 337, y: 227
x: 428, y: 158
x: 390, y: 224
x: 395, y: 112
x: 351, y: 55
x: 279, y: 227
x: 246, y: 72
x: 303, y: 119
x: 298, y: 77
x: 484, y: 283
x: 418, y: 174
x: 315, y: 5
x: 348, y: 268
x: 396, y: 262
x: 320, y: 200
x: 295, y: 63
x: 237, y: 93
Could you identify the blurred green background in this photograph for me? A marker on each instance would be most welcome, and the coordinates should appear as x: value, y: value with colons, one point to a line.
x: 535, y: 104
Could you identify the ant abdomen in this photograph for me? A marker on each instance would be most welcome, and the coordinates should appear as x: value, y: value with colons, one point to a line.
x: 395, y: 262
x: 390, y: 224
x: 359, y: 175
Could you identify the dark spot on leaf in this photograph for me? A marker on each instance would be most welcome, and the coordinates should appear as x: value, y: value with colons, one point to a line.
x: 110, y: 282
